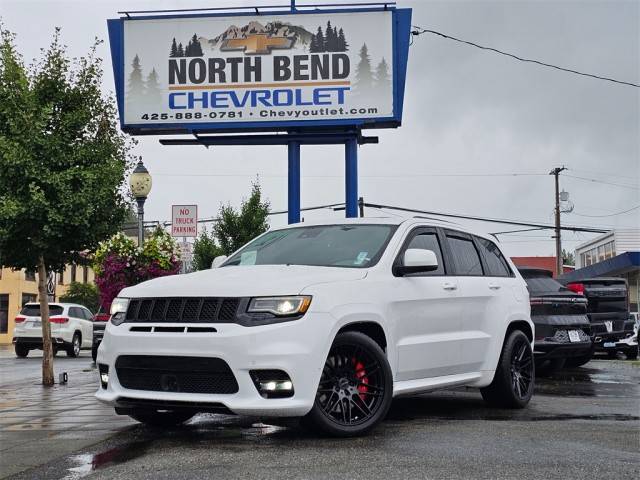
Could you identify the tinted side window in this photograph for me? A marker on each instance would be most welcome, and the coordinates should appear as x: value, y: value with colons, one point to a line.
x: 465, y: 256
x: 428, y: 241
x: 496, y: 264
x: 75, y: 312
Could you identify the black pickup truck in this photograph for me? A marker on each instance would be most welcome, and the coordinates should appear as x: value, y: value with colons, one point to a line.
x: 563, y: 332
x: 608, y: 311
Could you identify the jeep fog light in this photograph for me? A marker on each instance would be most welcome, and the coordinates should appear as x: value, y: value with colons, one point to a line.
x: 104, y: 375
x: 272, y: 383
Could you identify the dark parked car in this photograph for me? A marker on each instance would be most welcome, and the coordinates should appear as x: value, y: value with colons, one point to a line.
x: 563, y: 331
x: 608, y: 311
x: 100, y: 320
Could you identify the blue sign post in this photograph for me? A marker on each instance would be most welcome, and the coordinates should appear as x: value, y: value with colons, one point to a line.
x: 310, y: 75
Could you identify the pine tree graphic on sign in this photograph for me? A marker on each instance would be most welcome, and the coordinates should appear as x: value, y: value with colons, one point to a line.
x: 364, y: 75
x: 174, y: 48
x: 383, y: 81
x: 153, y: 93
x: 135, y: 88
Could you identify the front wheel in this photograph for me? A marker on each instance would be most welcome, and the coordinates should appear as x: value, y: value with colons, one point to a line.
x: 578, y: 361
x: 632, y: 353
x: 512, y: 385
x: 155, y: 418
x: 355, y: 390
x: 94, y: 352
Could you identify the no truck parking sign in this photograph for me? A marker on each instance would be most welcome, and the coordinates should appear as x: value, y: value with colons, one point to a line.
x: 184, y: 220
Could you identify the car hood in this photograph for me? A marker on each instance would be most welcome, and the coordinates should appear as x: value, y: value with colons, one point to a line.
x: 244, y: 281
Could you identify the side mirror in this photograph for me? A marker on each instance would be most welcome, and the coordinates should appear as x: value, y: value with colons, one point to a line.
x: 416, y: 260
x: 219, y: 260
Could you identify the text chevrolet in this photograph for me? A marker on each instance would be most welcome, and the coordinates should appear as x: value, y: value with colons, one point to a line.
x: 327, y: 322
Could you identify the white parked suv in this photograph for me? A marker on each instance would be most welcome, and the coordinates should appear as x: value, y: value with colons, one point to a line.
x: 323, y: 321
x: 71, y: 328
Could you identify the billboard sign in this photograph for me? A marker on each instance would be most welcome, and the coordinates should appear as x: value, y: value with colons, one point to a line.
x: 184, y: 221
x: 267, y: 71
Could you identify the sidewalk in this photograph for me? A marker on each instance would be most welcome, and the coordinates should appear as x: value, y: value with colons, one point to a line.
x: 38, y: 424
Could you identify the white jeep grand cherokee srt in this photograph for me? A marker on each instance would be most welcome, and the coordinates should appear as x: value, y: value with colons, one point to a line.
x: 323, y: 321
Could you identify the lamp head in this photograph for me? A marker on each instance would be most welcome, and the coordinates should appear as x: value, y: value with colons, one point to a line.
x: 140, y: 181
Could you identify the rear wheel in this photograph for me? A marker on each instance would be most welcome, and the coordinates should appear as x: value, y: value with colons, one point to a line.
x: 74, y: 349
x: 21, y: 350
x: 157, y: 418
x: 355, y: 388
x: 512, y: 385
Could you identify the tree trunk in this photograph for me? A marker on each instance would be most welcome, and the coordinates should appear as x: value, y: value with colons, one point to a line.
x: 47, y: 349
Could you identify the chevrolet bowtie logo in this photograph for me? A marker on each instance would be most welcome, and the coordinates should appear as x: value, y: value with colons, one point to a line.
x: 256, y: 44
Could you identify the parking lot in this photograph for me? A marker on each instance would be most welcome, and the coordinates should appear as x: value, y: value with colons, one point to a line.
x: 582, y: 423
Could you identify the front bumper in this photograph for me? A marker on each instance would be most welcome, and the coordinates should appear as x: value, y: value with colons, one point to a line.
x: 299, y: 348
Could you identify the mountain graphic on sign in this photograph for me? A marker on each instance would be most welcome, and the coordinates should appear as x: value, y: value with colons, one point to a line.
x: 299, y: 36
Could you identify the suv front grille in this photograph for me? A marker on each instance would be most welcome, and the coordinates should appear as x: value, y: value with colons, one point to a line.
x: 175, y: 374
x: 183, y: 309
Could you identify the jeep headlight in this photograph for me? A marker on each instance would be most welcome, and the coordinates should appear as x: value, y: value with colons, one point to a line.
x: 118, y: 310
x: 280, y: 306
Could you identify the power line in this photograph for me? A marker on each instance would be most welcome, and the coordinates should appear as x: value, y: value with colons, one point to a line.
x: 409, y: 175
x: 608, y: 215
x: 420, y: 31
x: 483, y: 219
x: 593, y: 180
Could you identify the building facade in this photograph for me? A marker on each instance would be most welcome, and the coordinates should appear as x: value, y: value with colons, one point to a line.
x: 18, y: 287
x: 612, y: 254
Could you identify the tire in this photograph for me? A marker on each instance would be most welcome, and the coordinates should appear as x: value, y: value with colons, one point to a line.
x: 94, y: 352
x: 513, y: 383
x: 21, y: 350
x: 612, y: 354
x: 74, y: 349
x: 549, y: 367
x: 355, y: 389
x: 632, y: 353
x: 578, y: 361
x: 153, y: 418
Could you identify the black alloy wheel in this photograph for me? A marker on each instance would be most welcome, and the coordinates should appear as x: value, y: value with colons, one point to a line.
x: 513, y: 382
x: 522, y: 368
x: 355, y: 387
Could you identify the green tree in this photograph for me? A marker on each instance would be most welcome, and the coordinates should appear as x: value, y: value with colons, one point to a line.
x: 63, y: 163
x: 205, y: 249
x: 83, y: 293
x: 234, y: 229
x: 568, y: 258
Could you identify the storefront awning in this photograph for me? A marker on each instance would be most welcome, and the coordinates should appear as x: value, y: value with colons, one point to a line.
x: 618, y: 265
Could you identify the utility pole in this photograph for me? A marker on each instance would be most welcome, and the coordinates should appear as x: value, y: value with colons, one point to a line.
x: 556, y: 173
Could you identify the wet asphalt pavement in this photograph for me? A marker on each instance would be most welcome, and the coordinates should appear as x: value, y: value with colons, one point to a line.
x: 582, y: 423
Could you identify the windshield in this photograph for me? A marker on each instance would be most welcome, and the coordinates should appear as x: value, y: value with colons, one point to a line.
x: 541, y: 284
x: 34, y: 310
x: 351, y: 246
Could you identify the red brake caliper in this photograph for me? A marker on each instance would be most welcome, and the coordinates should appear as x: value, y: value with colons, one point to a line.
x: 361, y: 375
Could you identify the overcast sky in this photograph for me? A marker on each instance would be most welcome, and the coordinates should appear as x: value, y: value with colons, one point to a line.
x: 467, y: 112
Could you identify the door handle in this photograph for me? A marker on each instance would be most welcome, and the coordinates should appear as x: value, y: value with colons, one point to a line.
x: 449, y: 286
x: 494, y: 286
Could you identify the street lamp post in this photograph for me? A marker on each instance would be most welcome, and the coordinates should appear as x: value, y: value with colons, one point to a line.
x: 140, y: 183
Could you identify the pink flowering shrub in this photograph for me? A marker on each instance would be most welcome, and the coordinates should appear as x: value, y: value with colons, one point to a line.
x: 119, y: 263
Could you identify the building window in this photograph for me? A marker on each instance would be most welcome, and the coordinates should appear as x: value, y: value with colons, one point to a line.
x: 61, y: 277
x: 4, y: 313
x: 73, y: 272
x: 601, y: 253
x: 608, y: 250
x: 85, y: 274
x: 28, y: 298
x: 30, y: 275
